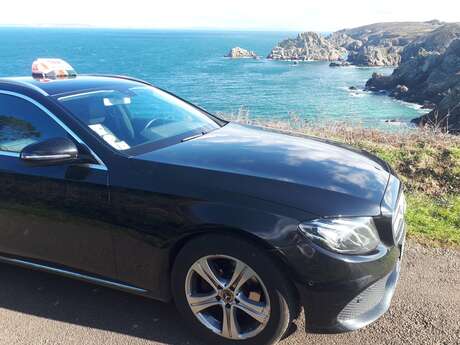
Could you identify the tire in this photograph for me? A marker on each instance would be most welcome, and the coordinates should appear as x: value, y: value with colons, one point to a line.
x: 260, y: 287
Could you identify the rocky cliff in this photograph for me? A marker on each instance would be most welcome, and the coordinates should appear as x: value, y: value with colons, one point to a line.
x: 429, y: 73
x: 307, y: 46
x: 382, y: 44
x: 378, y: 44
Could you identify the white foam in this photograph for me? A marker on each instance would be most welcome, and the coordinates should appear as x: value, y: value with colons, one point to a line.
x: 358, y: 94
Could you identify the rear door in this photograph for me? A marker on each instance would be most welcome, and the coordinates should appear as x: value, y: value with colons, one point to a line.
x: 54, y: 215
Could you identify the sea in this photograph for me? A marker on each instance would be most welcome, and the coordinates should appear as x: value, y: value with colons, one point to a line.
x: 192, y: 65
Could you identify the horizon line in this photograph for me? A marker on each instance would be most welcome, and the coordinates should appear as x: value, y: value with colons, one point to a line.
x: 194, y: 28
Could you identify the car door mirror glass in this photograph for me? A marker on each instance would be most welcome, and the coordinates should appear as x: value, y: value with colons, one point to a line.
x: 50, y: 152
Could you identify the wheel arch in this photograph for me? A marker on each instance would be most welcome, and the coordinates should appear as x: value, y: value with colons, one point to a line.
x: 276, y: 256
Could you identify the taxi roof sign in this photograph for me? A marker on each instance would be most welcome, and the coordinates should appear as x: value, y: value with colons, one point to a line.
x: 52, y: 69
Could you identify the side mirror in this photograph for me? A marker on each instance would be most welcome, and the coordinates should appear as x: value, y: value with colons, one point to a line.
x: 51, y: 152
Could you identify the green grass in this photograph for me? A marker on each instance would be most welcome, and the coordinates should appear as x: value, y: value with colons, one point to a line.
x: 435, y: 220
x: 431, y: 175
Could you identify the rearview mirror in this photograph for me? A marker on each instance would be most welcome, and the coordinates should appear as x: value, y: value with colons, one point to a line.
x: 111, y: 101
x: 50, y: 152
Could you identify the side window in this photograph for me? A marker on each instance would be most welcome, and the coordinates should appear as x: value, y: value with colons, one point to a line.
x: 22, y: 124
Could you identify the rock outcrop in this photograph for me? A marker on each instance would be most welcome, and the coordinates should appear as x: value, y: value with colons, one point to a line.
x: 341, y: 39
x: 378, y: 44
x: 340, y: 63
x: 375, y: 56
x: 307, y: 46
x: 443, y: 84
x: 382, y: 44
x: 446, y: 116
x: 238, y: 53
x: 429, y: 73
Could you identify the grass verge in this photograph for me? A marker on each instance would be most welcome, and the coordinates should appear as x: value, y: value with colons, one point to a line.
x: 435, y: 220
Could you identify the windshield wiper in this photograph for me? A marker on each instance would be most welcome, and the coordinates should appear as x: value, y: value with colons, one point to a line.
x: 194, y: 136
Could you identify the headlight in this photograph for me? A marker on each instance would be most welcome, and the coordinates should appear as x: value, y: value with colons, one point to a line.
x: 343, y: 235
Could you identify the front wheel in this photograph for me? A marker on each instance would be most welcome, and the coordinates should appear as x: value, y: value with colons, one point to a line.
x: 231, y: 292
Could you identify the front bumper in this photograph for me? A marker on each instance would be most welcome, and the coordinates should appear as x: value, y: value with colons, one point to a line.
x: 343, y: 293
x: 370, y: 304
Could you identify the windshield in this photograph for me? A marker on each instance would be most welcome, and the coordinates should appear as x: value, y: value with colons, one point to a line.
x: 126, y: 119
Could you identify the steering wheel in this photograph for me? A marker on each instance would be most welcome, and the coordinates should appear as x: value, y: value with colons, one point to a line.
x: 163, y: 120
x: 149, y: 124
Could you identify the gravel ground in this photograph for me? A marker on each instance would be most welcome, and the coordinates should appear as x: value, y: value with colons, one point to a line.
x: 38, y: 308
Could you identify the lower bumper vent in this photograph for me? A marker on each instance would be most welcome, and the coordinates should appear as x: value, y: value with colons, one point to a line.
x: 365, y: 301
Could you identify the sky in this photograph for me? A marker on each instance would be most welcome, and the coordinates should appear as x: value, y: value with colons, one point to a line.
x: 295, y: 15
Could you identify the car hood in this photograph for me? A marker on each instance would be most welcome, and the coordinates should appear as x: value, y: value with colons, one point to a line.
x: 310, y: 174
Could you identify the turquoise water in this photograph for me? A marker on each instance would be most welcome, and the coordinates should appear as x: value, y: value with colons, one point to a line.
x: 191, y: 64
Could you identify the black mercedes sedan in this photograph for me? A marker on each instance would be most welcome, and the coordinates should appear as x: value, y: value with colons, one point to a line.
x: 113, y: 181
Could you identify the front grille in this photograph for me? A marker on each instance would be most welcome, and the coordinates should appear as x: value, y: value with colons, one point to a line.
x: 365, y: 301
x: 398, y: 219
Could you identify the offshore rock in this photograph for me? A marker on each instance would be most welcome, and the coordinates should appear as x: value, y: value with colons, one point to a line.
x: 238, y: 53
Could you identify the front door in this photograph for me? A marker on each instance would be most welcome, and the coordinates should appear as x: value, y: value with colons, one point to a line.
x: 50, y: 214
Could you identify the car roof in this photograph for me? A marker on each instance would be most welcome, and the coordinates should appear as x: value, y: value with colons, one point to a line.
x: 73, y: 85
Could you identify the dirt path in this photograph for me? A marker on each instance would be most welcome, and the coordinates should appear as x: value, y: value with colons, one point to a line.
x: 38, y: 308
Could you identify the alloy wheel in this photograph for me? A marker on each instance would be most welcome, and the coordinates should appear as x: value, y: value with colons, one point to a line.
x: 227, y: 297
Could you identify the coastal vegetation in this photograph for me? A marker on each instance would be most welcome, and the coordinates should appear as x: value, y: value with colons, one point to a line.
x: 427, y: 161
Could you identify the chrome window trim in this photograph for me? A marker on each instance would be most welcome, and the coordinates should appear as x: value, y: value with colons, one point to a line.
x: 100, y: 166
x: 71, y: 274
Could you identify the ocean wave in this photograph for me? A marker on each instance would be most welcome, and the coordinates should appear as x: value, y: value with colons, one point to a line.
x: 354, y: 92
x: 414, y: 106
x: 358, y: 94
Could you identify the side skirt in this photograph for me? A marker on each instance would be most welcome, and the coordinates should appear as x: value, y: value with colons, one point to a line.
x: 74, y: 275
